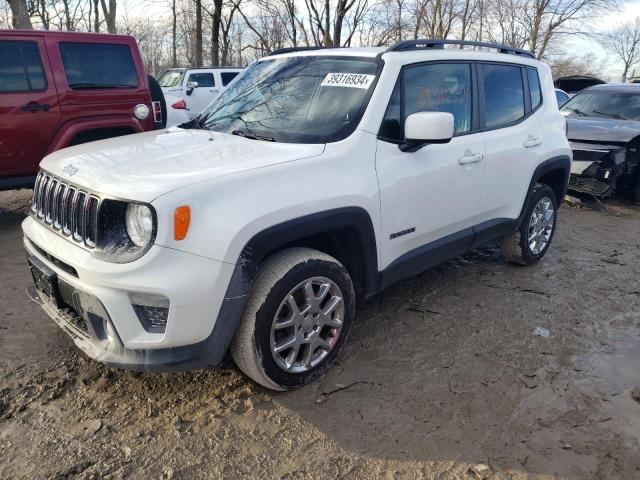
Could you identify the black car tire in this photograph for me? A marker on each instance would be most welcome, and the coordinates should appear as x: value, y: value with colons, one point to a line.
x: 516, y: 247
x: 252, y: 345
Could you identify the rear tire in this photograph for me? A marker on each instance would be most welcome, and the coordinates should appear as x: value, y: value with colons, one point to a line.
x: 286, y: 338
x: 530, y: 242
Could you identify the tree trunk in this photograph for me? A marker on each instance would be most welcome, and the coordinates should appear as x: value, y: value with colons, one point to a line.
x: 198, y: 45
x: 109, y: 15
x: 327, y: 35
x: 96, y: 21
x: 174, y: 39
x: 20, y: 14
x: 215, y: 32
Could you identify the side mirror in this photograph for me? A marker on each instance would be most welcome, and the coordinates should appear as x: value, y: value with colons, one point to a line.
x: 191, y: 86
x: 423, y: 128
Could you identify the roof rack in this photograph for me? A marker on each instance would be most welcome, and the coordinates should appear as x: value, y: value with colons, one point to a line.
x: 408, y: 45
x: 297, y: 49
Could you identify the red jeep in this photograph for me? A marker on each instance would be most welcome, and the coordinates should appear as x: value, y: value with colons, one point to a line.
x: 59, y: 89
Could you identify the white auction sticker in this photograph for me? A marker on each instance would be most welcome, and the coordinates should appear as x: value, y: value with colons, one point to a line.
x: 351, y: 80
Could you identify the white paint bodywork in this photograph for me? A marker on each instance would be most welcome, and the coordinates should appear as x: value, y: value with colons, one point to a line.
x: 201, y: 96
x: 175, y: 116
x: 237, y: 187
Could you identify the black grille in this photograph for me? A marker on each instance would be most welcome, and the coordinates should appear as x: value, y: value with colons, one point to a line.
x: 68, y: 210
x: 590, y: 155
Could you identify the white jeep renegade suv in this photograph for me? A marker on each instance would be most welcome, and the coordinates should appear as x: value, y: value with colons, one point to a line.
x: 321, y: 176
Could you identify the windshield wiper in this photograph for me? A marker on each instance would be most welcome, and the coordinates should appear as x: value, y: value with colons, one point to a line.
x: 612, y: 115
x: 578, y: 112
x: 253, y: 136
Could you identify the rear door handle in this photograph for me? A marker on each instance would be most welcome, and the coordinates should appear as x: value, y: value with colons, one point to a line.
x: 35, y: 107
x: 532, y: 142
x: 470, y: 158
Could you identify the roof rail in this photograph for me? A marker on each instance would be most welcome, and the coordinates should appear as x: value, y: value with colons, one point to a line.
x: 297, y: 49
x: 408, y: 45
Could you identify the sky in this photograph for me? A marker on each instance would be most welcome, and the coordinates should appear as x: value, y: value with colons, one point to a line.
x: 583, y: 45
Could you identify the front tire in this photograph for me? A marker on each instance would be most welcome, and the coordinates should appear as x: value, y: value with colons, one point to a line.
x: 530, y: 242
x: 297, y: 318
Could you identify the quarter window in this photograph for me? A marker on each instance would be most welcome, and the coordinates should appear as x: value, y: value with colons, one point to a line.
x: 534, y: 87
x: 503, y: 94
x: 21, y: 67
x: 98, y: 65
x: 203, y: 79
x: 437, y: 87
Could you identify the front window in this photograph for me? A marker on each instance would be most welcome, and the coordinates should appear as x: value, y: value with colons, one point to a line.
x: 171, y: 78
x: 312, y: 99
x: 433, y: 87
x: 605, y: 104
x: 21, y: 67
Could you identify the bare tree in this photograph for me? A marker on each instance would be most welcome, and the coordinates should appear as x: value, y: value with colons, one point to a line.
x: 109, y: 13
x: 174, y: 35
x: 198, y: 45
x: 20, y: 14
x: 624, y: 43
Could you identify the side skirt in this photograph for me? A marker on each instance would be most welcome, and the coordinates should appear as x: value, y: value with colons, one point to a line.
x: 435, y: 253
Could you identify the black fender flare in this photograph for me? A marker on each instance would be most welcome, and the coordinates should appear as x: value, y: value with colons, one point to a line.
x: 272, y: 238
x: 561, y: 163
x: 290, y: 231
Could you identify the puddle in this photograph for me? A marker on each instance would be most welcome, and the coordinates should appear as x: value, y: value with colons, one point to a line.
x: 614, y: 375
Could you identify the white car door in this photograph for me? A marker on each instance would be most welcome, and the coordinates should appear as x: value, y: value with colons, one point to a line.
x: 198, y: 97
x: 430, y: 195
x: 513, y: 137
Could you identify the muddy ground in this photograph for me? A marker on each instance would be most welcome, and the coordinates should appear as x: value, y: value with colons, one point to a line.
x: 441, y: 372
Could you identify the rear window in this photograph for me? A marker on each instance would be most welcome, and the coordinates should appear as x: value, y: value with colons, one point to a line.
x: 227, y: 77
x: 21, y: 67
x: 98, y: 65
x: 202, y: 79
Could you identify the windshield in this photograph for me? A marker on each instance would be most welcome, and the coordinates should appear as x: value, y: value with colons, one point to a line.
x: 171, y: 78
x: 605, y: 104
x: 311, y: 99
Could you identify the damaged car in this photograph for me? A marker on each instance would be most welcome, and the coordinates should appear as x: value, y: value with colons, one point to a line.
x: 603, y: 128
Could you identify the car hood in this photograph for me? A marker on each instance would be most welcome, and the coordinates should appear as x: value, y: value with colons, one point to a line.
x: 146, y: 165
x: 602, y: 129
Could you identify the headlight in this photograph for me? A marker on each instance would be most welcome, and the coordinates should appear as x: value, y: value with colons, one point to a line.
x: 138, y: 221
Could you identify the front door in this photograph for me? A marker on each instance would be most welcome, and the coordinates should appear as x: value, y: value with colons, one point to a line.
x: 431, y: 194
x: 29, y: 110
x: 201, y: 95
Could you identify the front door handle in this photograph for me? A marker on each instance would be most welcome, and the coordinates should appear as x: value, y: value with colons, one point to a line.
x: 469, y: 157
x: 532, y: 142
x: 35, y: 107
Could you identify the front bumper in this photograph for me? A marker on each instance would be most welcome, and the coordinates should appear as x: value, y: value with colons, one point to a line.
x: 596, y: 168
x: 200, y: 321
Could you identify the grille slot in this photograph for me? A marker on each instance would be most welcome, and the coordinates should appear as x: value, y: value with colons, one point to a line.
x: 590, y: 155
x: 71, y: 211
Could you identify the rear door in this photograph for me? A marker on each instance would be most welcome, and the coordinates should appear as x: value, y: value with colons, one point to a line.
x: 29, y: 110
x: 513, y: 137
x: 207, y: 89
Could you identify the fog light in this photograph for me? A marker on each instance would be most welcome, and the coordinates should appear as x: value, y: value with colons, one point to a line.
x: 108, y: 329
x: 151, y: 310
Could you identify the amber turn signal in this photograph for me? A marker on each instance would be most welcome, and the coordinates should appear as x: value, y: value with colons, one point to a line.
x: 181, y: 219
